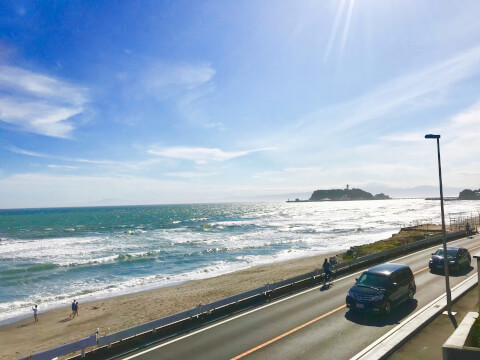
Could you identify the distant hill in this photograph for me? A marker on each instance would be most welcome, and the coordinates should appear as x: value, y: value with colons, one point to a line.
x: 344, y: 195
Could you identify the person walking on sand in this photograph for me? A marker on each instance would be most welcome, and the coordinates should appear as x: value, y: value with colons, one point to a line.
x: 76, y: 308
x: 72, y: 315
x: 35, y: 313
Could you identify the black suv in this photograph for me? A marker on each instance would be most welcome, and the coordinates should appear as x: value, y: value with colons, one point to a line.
x: 381, y: 287
x: 458, y: 258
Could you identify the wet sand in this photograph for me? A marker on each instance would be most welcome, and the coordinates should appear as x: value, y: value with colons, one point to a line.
x: 55, y: 328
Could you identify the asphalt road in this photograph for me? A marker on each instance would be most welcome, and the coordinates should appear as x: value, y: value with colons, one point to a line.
x: 313, y: 324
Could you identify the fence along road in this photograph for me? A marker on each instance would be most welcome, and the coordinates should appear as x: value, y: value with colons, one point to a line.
x: 312, y: 324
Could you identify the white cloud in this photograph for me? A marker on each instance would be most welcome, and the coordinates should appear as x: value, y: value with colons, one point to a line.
x: 307, y: 170
x: 202, y: 155
x: 38, y: 103
x: 171, y: 80
x: 191, y: 174
x: 68, y: 167
x: 411, y: 91
x: 131, y: 165
x: 26, y: 152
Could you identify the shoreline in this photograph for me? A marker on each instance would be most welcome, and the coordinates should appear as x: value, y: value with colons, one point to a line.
x: 116, y: 313
x: 122, y: 311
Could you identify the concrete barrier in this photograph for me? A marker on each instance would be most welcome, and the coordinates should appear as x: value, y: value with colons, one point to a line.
x: 456, y: 346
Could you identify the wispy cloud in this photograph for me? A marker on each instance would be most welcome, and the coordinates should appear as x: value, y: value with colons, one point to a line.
x: 182, y: 77
x: 202, y: 155
x: 183, y: 82
x: 38, y: 103
x: 415, y: 90
x: 67, y: 167
x: 191, y: 174
x: 187, y: 85
x: 26, y: 152
x: 107, y: 163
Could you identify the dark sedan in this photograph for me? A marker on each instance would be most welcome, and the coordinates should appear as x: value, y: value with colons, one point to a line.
x: 458, y: 259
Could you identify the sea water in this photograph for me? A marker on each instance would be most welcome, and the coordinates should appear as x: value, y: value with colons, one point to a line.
x: 51, y: 256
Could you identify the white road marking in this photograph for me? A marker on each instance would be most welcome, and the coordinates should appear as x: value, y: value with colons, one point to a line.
x: 263, y: 307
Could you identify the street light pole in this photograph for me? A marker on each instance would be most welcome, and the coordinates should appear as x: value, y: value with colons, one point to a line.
x: 444, y: 233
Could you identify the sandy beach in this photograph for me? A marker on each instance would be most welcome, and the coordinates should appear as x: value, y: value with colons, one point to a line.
x: 54, y: 327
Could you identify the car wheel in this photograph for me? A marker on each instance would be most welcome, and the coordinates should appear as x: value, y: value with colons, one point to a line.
x: 387, y: 309
x: 410, y: 294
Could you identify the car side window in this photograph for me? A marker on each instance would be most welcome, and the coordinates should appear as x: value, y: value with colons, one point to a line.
x: 404, y: 275
x: 395, y: 277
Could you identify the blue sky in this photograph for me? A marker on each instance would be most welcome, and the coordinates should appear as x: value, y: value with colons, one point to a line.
x: 121, y: 102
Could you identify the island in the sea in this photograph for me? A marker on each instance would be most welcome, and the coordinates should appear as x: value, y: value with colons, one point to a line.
x: 468, y: 194
x: 342, y: 195
x: 465, y: 194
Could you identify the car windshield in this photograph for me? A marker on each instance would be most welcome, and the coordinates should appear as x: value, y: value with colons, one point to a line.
x: 450, y: 253
x: 373, y: 280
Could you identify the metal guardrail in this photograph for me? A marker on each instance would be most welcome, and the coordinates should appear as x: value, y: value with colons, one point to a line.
x: 344, y: 267
x: 81, y: 344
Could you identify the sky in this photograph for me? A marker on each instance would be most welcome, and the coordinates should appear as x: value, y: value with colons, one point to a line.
x: 160, y: 102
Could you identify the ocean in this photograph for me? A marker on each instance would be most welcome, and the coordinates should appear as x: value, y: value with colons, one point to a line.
x: 51, y: 256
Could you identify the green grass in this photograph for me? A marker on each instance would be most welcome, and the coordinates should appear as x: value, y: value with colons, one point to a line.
x: 402, y: 238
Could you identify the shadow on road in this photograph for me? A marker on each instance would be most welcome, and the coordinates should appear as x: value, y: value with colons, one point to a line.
x: 326, y: 286
x: 462, y: 272
x: 398, y: 314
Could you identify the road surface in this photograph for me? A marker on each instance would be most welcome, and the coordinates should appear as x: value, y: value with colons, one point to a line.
x: 313, y: 324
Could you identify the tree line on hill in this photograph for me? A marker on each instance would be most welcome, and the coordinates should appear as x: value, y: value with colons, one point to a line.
x: 346, y: 194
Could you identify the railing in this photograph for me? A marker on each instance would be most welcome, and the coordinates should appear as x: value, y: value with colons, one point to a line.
x: 266, y: 290
x: 79, y: 345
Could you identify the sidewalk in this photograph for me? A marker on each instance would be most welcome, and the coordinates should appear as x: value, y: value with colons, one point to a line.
x: 427, y: 344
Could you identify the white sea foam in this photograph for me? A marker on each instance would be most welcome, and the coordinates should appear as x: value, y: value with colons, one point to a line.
x: 145, y: 256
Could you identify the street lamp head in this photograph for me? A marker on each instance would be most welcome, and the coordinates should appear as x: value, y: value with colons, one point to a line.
x: 431, y: 136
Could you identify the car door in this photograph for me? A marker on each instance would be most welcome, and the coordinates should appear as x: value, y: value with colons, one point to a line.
x: 465, y: 258
x: 461, y: 258
x: 404, y: 283
x: 396, y: 288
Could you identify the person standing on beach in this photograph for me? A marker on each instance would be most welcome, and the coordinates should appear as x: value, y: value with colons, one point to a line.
x: 72, y: 315
x: 76, y: 308
x: 35, y: 313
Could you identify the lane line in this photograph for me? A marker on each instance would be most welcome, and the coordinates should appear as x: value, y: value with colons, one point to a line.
x: 268, y: 305
x: 311, y: 322
x: 416, y: 272
x: 476, y: 247
x: 288, y: 333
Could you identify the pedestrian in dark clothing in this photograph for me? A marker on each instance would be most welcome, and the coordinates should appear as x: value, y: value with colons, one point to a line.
x: 72, y: 315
